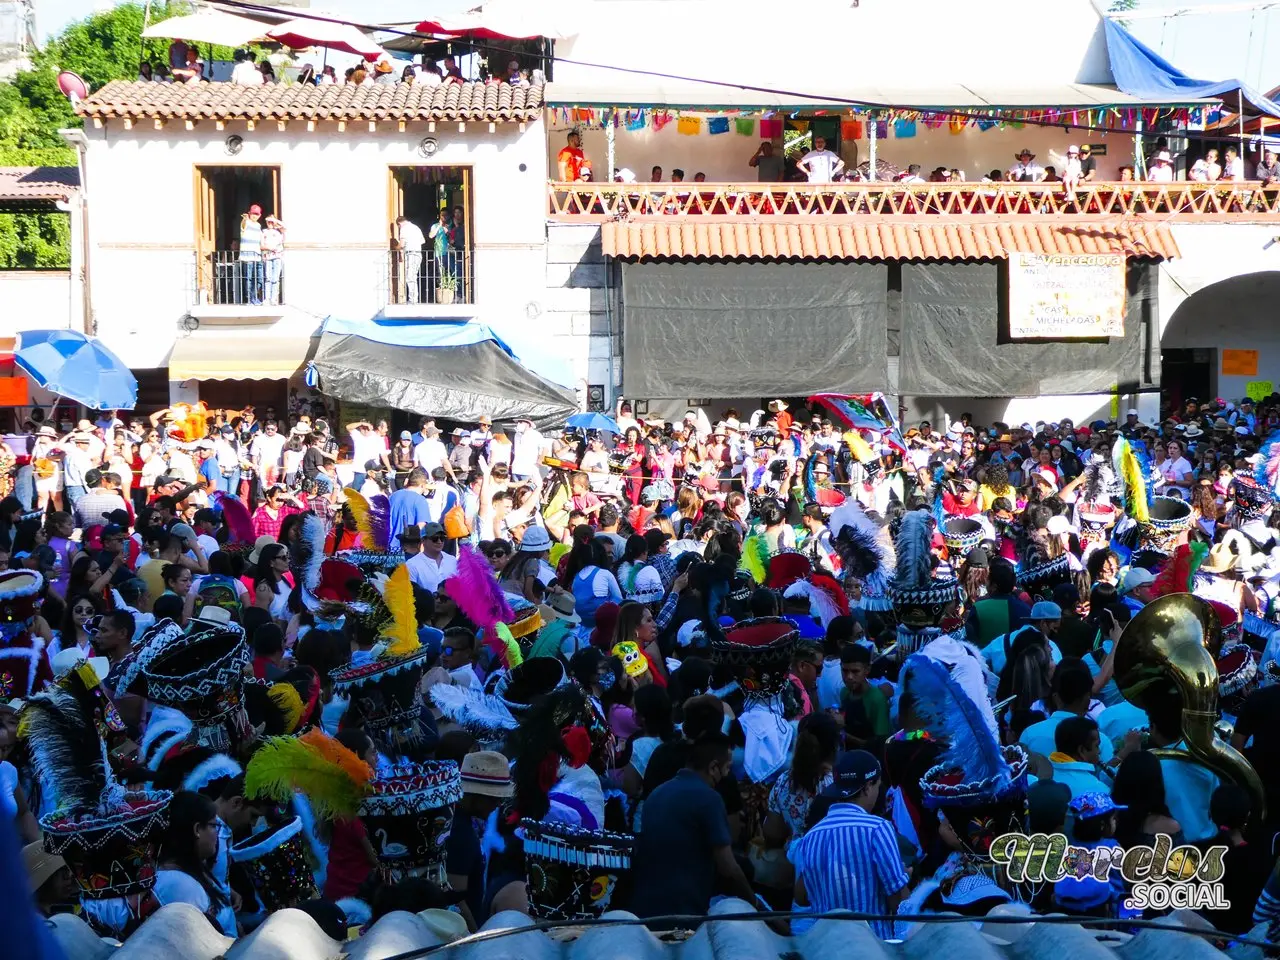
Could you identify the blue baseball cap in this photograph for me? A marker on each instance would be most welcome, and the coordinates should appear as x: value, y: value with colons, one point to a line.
x: 854, y: 769
x: 1089, y: 805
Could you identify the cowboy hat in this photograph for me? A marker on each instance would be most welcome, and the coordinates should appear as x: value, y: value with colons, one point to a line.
x: 777, y: 406
x: 209, y: 613
x: 1220, y: 560
x: 1193, y: 431
x: 1024, y: 152
x: 563, y: 607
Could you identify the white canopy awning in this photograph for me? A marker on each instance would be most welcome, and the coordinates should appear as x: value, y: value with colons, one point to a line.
x: 209, y: 26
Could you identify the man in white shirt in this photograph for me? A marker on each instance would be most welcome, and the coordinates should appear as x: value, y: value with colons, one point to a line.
x: 526, y: 451
x: 265, y: 451
x: 820, y: 165
x: 366, y: 445
x: 246, y: 72
x: 432, y: 566
x: 412, y: 241
x: 431, y: 453
x: 1026, y: 170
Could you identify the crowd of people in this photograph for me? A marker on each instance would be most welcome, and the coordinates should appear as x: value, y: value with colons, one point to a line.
x: 185, y: 65
x: 251, y: 665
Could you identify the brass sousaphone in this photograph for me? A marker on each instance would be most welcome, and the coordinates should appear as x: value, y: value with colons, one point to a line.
x: 1172, y: 643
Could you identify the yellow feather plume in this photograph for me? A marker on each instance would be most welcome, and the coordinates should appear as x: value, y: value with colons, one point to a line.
x: 286, y: 697
x: 359, y: 508
x: 514, y: 656
x: 283, y: 765
x: 859, y: 447
x: 402, y: 630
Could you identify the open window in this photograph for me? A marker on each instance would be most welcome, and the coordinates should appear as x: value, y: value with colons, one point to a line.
x: 229, y: 270
x: 431, y: 248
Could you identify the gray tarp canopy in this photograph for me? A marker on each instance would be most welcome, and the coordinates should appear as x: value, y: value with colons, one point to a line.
x: 449, y: 369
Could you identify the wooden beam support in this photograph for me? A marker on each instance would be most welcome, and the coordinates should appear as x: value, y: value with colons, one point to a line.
x: 431, y: 126
x: 159, y: 124
x: 522, y: 126
x: 402, y: 125
x: 373, y: 126
x: 342, y: 126
x: 249, y: 125
x: 189, y: 124
x: 128, y: 123
x: 97, y: 123
x: 219, y: 124
x: 282, y: 125
x: 462, y: 127
x: 493, y: 127
x: 311, y: 126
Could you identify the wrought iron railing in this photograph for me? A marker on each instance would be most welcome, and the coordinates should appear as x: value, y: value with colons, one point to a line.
x: 222, y: 278
x: 602, y: 201
x: 422, y: 276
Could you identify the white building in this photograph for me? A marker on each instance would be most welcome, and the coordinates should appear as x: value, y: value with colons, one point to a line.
x: 173, y: 169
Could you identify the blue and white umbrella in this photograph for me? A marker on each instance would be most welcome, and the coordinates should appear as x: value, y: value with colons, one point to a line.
x: 593, y: 421
x: 78, y: 367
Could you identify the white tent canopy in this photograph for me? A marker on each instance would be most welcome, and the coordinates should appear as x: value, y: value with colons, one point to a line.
x: 209, y: 26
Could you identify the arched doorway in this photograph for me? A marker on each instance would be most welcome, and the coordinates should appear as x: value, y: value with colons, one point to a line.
x: 1237, y: 314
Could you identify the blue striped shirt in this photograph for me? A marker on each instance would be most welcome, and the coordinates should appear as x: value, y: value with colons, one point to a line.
x: 850, y: 861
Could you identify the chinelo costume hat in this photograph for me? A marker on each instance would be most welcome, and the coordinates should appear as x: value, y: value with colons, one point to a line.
x: 920, y: 600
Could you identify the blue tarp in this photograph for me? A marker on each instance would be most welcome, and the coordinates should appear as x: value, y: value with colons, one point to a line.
x: 1141, y: 72
x: 452, y: 333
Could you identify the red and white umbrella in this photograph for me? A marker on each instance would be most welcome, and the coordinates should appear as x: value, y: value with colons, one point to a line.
x: 305, y: 32
x: 507, y: 21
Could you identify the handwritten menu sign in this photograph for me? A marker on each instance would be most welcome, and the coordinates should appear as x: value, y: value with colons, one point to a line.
x: 1066, y: 296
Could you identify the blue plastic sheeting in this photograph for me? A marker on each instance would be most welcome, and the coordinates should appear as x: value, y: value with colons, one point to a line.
x: 1141, y: 72
x: 451, y: 333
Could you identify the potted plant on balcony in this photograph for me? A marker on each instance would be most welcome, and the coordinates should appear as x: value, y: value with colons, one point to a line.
x: 447, y: 288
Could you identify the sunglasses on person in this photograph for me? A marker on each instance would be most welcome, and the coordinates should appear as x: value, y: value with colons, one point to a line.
x: 497, y: 554
x: 450, y: 651
x: 436, y: 538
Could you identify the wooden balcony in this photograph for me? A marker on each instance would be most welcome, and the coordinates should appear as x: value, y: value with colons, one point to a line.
x: 596, y: 202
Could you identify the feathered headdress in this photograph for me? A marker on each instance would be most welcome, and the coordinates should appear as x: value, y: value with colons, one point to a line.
x: 1267, y: 472
x: 1178, y: 575
x: 289, y: 702
x: 755, y: 557
x: 333, y: 778
x: 1133, y: 467
x: 827, y: 599
x: 167, y: 728
x: 236, y: 516
x: 308, y: 555
x: 477, y: 594
x: 195, y: 768
x: 915, y: 561
x: 401, y: 628
x: 373, y: 519
x: 68, y: 754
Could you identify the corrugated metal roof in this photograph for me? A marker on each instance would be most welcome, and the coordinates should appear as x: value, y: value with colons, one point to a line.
x: 180, y: 930
x: 278, y: 101
x: 852, y: 238
x: 22, y: 184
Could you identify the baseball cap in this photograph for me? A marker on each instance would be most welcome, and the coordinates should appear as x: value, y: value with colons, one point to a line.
x: 183, y: 532
x: 854, y: 769
x: 1046, y: 610
x: 254, y: 208
x: 1135, y: 577
x: 1093, y: 805
x: 406, y: 435
x: 1131, y: 412
x: 430, y: 530
x: 1058, y: 524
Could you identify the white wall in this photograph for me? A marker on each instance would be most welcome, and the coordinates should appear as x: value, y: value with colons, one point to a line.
x: 1222, y: 292
x: 334, y: 190
x: 821, y: 46
x: 724, y: 157
x: 34, y: 300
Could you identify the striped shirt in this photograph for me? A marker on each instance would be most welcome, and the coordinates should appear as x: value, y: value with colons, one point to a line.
x: 850, y: 861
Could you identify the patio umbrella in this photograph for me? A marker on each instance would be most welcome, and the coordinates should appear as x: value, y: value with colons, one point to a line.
x: 305, y: 32
x: 508, y: 21
x: 209, y: 26
x: 78, y: 367
x: 593, y: 421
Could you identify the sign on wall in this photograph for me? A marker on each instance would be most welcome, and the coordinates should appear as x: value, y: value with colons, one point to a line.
x: 1066, y: 296
x: 1258, y: 390
x: 1240, y: 363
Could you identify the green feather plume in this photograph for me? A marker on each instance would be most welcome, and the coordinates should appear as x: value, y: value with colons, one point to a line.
x: 283, y: 765
x: 755, y: 557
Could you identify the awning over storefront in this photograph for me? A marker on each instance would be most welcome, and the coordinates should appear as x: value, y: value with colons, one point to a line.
x: 452, y: 369
x: 848, y: 238
x: 231, y: 355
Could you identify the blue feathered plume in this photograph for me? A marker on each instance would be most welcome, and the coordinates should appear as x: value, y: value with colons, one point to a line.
x: 1267, y: 472
x: 308, y: 555
x: 956, y: 714
x: 915, y: 562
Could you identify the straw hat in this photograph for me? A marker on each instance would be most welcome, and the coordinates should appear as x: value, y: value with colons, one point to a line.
x: 258, y: 544
x: 488, y: 774
x: 1220, y: 560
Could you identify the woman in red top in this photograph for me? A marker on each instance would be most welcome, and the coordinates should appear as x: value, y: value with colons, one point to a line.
x: 631, y: 448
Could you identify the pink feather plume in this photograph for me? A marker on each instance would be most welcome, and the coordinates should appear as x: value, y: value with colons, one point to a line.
x: 476, y: 592
x: 236, y: 516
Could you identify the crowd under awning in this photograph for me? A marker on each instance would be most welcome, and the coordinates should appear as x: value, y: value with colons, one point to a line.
x: 217, y: 356
x: 453, y: 369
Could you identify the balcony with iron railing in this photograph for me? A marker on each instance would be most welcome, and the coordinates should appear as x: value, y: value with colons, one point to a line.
x: 414, y: 278
x: 223, y: 280
x: 596, y: 202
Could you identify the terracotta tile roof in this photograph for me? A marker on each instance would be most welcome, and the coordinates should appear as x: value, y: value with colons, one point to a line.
x: 853, y: 238
x: 38, y: 184
x: 278, y: 101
